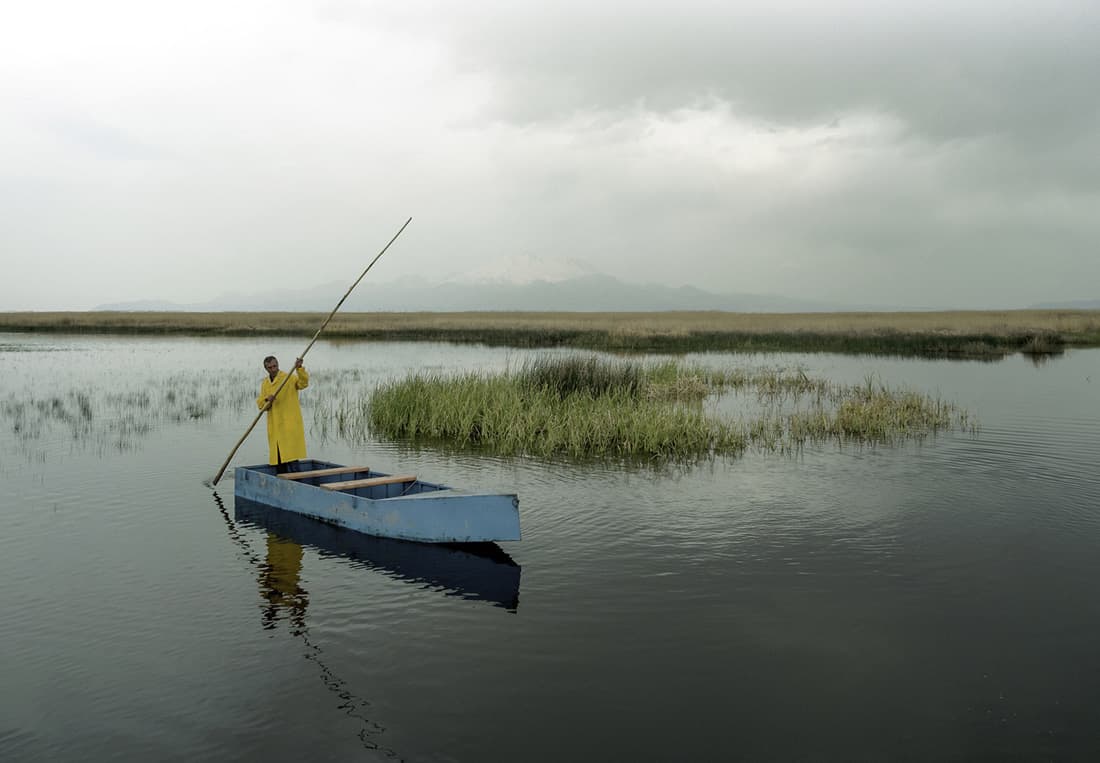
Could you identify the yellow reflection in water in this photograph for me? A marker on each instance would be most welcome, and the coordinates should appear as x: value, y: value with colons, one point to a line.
x: 280, y: 584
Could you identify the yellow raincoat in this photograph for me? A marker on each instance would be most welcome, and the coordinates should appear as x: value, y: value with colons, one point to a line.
x: 286, y: 436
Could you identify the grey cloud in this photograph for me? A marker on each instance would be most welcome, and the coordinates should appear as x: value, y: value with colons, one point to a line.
x: 939, y: 154
x: 946, y: 69
x: 911, y: 221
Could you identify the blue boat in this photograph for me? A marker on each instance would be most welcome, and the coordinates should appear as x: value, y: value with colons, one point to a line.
x: 387, y: 505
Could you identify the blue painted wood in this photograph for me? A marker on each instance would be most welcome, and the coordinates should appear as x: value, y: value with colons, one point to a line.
x: 421, y: 511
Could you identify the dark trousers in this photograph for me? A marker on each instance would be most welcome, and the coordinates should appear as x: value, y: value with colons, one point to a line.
x: 285, y: 466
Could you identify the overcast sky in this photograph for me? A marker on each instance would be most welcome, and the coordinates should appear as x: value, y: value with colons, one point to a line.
x: 932, y: 153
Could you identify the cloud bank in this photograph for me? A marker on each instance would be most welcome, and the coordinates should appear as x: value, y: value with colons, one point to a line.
x: 891, y: 153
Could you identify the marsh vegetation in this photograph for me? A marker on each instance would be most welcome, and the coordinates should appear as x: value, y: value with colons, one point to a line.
x: 956, y: 334
x: 113, y: 418
x: 116, y: 418
x: 576, y: 405
x: 586, y: 407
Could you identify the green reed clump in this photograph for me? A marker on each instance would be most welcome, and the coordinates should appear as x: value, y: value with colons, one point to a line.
x: 1042, y: 343
x: 590, y: 407
x: 573, y: 374
x: 513, y: 415
x: 875, y: 414
x: 672, y: 380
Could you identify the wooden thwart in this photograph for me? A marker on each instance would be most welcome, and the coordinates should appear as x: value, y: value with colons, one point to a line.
x: 323, y: 472
x: 369, y: 482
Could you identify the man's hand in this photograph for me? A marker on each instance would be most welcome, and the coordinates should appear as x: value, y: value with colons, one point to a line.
x: 298, y: 363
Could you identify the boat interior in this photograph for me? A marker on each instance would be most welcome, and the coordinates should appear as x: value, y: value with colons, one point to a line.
x: 361, y: 481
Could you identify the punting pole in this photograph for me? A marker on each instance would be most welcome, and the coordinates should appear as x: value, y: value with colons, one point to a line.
x: 255, y: 421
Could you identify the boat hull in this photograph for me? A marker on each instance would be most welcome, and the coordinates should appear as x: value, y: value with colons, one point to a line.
x: 416, y: 510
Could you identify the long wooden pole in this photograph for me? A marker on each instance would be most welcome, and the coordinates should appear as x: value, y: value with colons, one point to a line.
x: 255, y: 421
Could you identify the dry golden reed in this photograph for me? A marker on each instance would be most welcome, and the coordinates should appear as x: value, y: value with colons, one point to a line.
x: 950, y: 334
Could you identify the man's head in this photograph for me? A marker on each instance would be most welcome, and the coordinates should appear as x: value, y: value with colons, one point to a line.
x: 271, y: 365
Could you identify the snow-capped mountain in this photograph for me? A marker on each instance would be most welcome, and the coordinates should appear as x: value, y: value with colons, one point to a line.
x: 520, y: 269
x: 515, y: 283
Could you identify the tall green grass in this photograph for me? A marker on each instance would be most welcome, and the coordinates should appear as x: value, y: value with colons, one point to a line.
x: 512, y: 418
x: 581, y: 375
x: 591, y: 407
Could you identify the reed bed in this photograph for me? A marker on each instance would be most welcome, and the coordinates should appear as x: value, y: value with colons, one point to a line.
x: 962, y: 334
x: 511, y: 419
x: 116, y: 419
x: 577, y: 406
x: 589, y: 407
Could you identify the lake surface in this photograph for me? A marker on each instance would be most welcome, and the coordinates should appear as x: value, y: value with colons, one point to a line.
x: 934, y: 600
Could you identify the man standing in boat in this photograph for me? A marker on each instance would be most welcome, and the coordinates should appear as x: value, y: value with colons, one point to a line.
x: 286, y: 436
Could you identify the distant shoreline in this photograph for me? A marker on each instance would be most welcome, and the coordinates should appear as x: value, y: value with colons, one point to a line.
x: 958, y: 334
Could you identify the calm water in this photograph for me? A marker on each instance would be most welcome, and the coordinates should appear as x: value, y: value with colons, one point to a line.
x: 932, y: 601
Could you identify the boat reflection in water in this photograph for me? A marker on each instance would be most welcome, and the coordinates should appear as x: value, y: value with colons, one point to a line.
x: 475, y: 571
x: 280, y: 571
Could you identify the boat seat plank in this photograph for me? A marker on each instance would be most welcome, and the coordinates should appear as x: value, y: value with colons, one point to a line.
x: 323, y: 472
x: 369, y: 482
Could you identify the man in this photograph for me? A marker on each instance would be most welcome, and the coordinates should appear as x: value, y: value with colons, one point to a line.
x: 286, y: 436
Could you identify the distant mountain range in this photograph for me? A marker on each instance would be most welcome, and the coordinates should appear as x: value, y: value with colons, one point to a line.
x: 1076, y: 304
x: 583, y: 293
x: 518, y: 283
